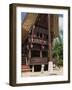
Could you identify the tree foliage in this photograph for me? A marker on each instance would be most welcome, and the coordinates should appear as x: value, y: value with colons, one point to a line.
x: 58, y: 50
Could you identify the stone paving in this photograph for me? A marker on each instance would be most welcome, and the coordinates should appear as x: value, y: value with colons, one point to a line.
x: 56, y: 71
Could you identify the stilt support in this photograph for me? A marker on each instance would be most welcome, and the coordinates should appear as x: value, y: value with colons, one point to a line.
x: 50, y: 67
x: 32, y: 68
x: 42, y: 68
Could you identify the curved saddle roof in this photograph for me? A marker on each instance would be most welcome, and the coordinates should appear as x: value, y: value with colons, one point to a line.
x: 40, y: 20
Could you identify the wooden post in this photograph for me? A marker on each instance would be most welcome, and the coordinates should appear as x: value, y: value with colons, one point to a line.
x: 26, y: 61
x: 31, y: 43
x: 50, y: 63
x: 42, y: 66
x: 29, y: 53
x: 40, y: 53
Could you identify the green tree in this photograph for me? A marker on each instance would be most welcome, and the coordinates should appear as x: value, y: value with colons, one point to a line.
x: 58, y: 49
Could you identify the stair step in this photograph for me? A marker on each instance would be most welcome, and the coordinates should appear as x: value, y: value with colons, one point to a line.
x: 26, y: 68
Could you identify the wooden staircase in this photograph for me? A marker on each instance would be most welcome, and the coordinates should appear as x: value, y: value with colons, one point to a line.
x: 25, y: 68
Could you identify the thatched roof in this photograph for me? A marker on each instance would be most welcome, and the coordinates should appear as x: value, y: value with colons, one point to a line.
x: 27, y: 24
x: 33, y: 19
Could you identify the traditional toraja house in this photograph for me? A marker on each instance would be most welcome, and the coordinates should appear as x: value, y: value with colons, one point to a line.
x: 38, y: 32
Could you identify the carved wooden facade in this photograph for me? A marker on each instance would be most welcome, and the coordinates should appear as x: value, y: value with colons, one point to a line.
x: 38, y: 32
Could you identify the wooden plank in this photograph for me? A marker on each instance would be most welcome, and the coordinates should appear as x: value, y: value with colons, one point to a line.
x: 38, y: 61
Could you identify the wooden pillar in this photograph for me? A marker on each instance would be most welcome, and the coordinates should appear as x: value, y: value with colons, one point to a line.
x: 33, y: 31
x: 26, y: 61
x: 40, y: 53
x: 42, y: 66
x: 49, y: 40
x: 29, y: 53
x: 31, y: 43
x: 50, y: 63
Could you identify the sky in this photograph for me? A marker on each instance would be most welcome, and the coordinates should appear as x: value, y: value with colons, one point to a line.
x: 60, y: 22
x: 23, y: 14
